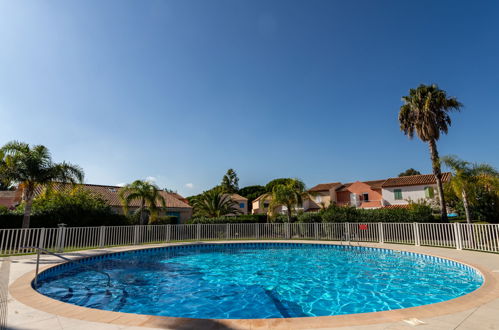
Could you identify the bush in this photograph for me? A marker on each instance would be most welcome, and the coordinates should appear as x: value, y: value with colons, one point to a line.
x: 245, y: 218
x: 414, y: 213
x: 75, y: 208
x: 309, y: 217
x: 163, y: 220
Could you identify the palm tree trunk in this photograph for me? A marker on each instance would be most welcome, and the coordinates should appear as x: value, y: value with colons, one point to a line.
x: 142, y: 204
x: 435, y: 160
x: 289, y: 214
x: 27, y: 208
x: 466, y: 206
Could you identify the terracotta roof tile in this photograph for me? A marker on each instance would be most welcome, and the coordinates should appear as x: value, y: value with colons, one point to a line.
x: 325, y: 186
x: 374, y: 184
x: 415, y: 180
x: 111, y: 195
x: 238, y: 197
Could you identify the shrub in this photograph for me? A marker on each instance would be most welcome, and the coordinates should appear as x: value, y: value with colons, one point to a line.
x: 413, y: 213
x: 309, y: 217
x: 163, y: 220
x: 244, y: 218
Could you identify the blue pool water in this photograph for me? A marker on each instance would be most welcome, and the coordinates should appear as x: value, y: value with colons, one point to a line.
x: 260, y: 280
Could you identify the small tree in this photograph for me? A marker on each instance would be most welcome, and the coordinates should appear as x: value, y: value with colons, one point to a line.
x: 147, y: 193
x: 230, y: 182
x: 468, y: 179
x: 31, y: 167
x: 289, y: 195
x: 409, y: 172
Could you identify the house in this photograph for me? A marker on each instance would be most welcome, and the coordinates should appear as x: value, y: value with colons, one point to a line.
x: 322, y: 195
x: 175, y: 206
x: 399, y: 191
x: 365, y: 195
x: 10, y: 198
x: 242, y: 203
x: 392, y: 192
x: 260, y: 205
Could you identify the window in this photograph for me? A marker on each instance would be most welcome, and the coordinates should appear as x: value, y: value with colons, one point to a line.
x: 318, y: 199
x: 265, y: 205
x: 429, y: 193
x: 397, y: 193
x: 365, y: 197
x: 241, y: 205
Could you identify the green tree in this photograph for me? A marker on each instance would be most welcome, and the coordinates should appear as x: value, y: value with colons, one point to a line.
x: 5, y: 183
x: 409, y: 172
x: 468, y: 179
x: 147, y: 194
x: 425, y: 112
x: 289, y: 194
x: 269, y: 186
x: 33, y: 166
x: 230, y: 182
x: 213, y: 204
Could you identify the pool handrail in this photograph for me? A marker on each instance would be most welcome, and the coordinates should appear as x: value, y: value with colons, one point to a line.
x: 39, y: 249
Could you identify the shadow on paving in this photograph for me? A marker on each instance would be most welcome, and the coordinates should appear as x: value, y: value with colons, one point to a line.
x: 194, y: 324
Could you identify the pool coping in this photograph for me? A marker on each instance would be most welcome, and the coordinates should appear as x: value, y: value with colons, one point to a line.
x: 22, y: 291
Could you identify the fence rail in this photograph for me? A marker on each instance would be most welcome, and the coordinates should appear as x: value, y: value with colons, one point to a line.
x: 480, y: 237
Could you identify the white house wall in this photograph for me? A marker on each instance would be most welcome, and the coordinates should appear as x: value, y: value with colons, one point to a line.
x: 413, y: 193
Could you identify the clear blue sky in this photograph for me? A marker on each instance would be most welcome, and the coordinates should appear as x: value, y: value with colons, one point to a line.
x: 183, y: 90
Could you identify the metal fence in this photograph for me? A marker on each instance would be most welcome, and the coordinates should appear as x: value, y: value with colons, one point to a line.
x: 4, y: 295
x: 481, y: 237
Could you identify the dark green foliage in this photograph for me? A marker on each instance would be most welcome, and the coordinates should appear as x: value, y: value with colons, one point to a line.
x: 310, y: 217
x: 163, y: 220
x: 269, y: 186
x: 77, y: 208
x: 409, y: 172
x: 245, y: 218
x: 252, y: 192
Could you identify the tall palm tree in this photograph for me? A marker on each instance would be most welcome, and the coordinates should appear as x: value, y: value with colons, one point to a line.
x: 468, y: 177
x: 214, y: 203
x: 289, y: 194
x: 426, y: 112
x: 31, y: 167
x: 147, y: 193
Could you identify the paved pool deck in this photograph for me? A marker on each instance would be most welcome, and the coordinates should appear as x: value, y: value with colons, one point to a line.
x: 478, y: 310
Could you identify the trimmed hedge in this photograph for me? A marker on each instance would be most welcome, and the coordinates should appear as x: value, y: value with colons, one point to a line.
x: 245, y: 218
x: 414, y: 213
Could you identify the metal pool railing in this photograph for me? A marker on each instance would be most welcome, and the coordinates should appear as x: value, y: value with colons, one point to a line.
x: 480, y: 237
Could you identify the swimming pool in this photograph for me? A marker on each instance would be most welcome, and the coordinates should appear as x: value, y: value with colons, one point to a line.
x: 259, y: 280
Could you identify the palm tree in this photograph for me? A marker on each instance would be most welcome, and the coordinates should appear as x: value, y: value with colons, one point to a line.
x: 31, y: 167
x: 147, y: 193
x: 214, y: 203
x: 468, y: 177
x: 4, y: 181
x: 426, y: 112
x: 289, y: 194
